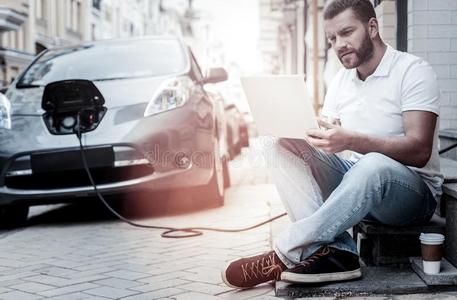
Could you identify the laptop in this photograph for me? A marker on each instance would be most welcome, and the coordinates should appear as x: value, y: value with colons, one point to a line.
x: 280, y: 105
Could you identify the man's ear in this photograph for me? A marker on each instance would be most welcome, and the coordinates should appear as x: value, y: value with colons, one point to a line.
x: 373, y: 27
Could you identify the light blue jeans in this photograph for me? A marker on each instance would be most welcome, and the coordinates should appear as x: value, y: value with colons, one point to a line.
x: 324, y: 195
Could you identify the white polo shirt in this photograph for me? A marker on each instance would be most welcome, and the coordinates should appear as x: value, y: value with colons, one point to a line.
x: 401, y: 82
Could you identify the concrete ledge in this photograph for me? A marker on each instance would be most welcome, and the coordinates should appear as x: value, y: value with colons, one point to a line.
x: 450, y: 244
x: 375, y: 281
x: 448, y: 133
x: 450, y: 189
x: 436, y: 225
x: 449, y: 169
x: 447, y: 275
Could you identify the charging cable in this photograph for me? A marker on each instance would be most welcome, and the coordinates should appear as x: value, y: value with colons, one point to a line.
x: 170, y: 232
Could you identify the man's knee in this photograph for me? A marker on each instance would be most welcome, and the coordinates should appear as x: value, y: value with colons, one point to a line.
x: 375, y: 164
x: 300, y: 148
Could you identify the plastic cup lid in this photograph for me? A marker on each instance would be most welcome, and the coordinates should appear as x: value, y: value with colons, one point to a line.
x: 431, y: 237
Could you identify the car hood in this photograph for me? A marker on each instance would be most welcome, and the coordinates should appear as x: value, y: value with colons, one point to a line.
x: 117, y: 93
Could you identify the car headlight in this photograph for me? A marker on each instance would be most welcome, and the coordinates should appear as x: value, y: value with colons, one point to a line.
x: 172, y: 93
x: 5, y: 108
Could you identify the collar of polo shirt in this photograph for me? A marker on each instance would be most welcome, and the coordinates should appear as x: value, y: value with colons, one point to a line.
x: 384, y: 67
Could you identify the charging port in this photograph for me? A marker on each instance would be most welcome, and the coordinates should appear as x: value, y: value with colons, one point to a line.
x: 72, y: 106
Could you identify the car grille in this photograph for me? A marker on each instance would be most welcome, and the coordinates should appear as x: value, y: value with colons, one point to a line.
x: 77, y: 178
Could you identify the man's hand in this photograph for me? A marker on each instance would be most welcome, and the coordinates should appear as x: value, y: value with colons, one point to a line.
x: 412, y: 149
x: 333, y: 140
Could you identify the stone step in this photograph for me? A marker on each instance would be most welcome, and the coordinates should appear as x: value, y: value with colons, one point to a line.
x: 447, y: 275
x: 449, y: 169
x: 450, y: 200
x: 374, y: 281
x: 381, y: 245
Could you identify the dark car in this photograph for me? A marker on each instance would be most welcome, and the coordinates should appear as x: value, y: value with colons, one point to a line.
x: 244, y: 130
x: 158, y: 130
x: 237, y: 130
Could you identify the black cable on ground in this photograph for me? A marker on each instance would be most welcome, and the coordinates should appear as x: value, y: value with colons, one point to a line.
x: 168, y: 233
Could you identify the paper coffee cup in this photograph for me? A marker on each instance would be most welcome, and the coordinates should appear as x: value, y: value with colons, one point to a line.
x: 431, y: 267
x: 432, y: 252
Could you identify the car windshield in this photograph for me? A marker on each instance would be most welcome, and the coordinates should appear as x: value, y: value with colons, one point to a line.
x: 107, y: 61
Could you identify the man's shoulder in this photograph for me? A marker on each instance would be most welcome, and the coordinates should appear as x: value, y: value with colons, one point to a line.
x: 404, y: 61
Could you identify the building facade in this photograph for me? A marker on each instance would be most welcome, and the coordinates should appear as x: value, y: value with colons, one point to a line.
x: 28, y: 27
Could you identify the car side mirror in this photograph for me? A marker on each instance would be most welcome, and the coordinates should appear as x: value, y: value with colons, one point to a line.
x: 216, y: 75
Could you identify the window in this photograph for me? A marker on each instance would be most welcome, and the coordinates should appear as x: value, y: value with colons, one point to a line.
x: 14, y: 71
x: 73, y: 13
x: 108, y: 15
x: 13, y: 39
x: 96, y: 4
x: 275, y: 5
x: 68, y: 14
x: 39, y: 9
x: 78, y: 15
x: 93, y: 30
x: 20, y: 38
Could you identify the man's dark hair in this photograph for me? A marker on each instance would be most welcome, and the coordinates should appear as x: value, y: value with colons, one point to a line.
x: 363, y: 9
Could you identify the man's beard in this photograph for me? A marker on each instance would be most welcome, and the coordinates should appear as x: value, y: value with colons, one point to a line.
x: 362, y: 55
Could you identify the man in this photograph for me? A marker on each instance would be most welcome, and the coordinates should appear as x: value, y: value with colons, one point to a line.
x: 387, y: 103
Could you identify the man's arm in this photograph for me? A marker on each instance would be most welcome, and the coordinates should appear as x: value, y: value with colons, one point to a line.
x: 412, y: 149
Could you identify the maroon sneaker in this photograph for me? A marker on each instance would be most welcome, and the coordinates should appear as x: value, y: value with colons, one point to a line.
x: 250, y: 271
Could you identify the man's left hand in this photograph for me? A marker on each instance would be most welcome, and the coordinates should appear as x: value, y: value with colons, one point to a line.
x: 333, y: 140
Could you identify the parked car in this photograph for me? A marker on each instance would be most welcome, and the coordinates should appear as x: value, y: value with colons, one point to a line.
x: 244, y: 131
x: 233, y: 130
x: 237, y: 130
x: 159, y: 132
x: 222, y: 132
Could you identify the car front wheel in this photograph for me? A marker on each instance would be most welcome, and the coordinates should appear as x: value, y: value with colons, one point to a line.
x: 227, y: 181
x: 213, y: 191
